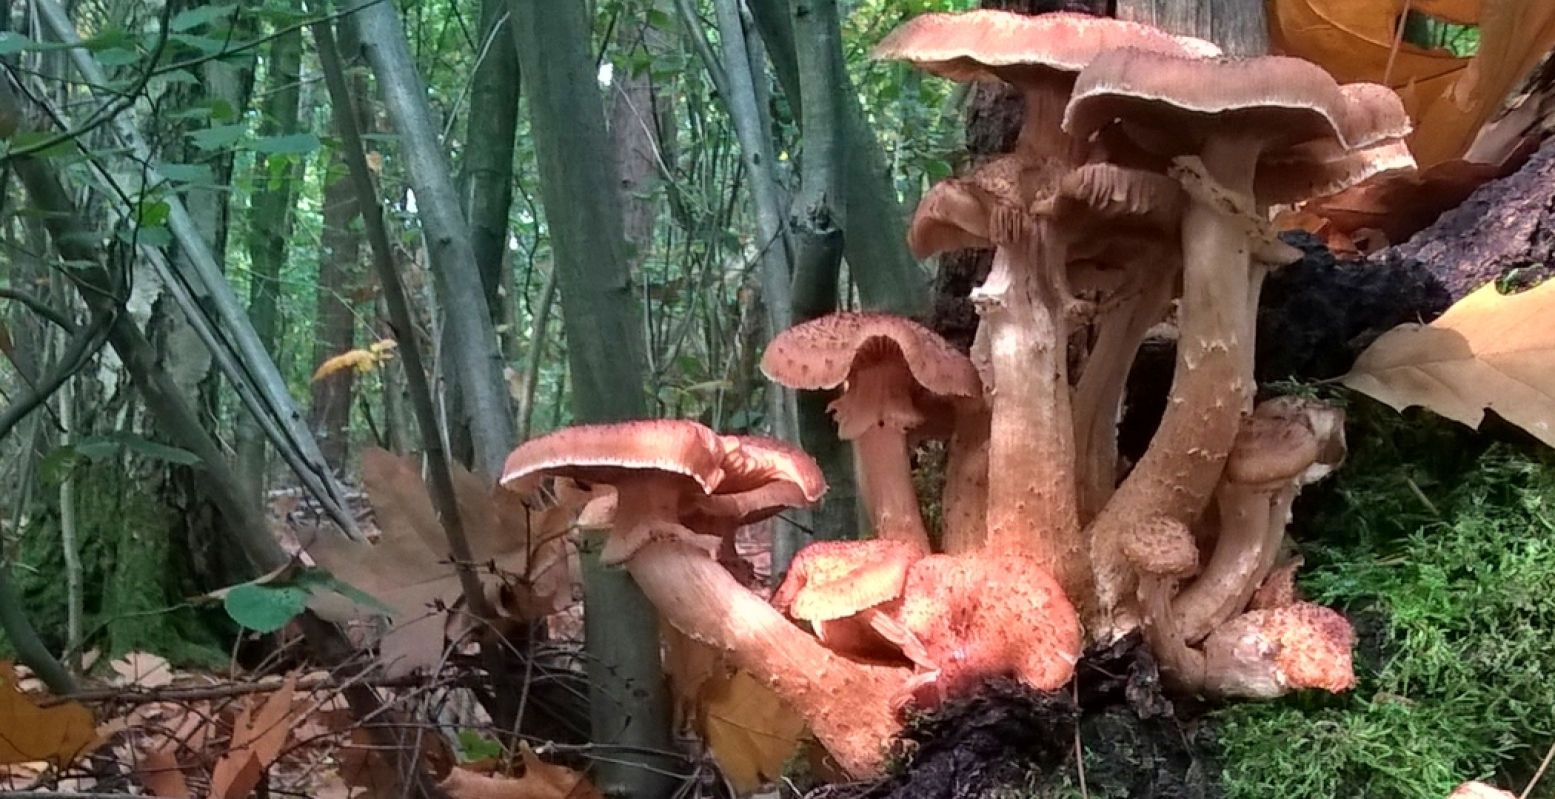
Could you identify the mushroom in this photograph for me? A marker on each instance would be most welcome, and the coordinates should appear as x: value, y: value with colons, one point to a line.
x: 1285, y: 444
x: 792, y: 481
x: 1220, y: 118
x: 965, y: 619
x: 1479, y: 790
x: 839, y: 587
x: 1163, y: 552
x: 1279, y: 588
x: 657, y: 469
x: 964, y: 501
x: 891, y: 369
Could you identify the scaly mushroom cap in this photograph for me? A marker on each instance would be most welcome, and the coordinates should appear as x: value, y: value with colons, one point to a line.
x: 973, y: 617
x: 830, y: 580
x: 1479, y: 790
x: 1001, y: 45
x: 1271, y: 448
x: 823, y: 352
x: 1326, y: 423
x: 1163, y: 547
x: 1268, y: 653
x: 605, y: 453
x: 1172, y: 105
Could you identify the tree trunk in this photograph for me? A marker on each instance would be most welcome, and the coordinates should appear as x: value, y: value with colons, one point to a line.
x: 580, y: 189
x: 472, y: 338
x: 887, y: 277
x: 635, y: 113
x: 1238, y: 26
x: 270, y: 227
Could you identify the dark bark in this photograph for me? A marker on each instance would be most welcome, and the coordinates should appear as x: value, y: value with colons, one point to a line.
x: 580, y: 189
x: 635, y: 106
x: 270, y: 226
x: 1238, y: 26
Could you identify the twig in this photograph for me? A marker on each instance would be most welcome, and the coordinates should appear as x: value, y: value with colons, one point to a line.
x: 128, y: 694
x: 1539, y: 774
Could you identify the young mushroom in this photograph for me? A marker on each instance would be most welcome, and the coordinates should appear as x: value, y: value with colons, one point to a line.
x: 658, y: 469
x: 1220, y: 119
x: 839, y: 587
x: 893, y: 372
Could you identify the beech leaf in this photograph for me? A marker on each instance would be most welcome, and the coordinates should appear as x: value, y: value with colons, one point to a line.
x: 258, y: 737
x: 749, y: 730
x: 1490, y: 351
x: 28, y: 733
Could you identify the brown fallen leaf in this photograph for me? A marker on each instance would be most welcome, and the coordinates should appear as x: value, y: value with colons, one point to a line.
x: 409, y: 568
x: 1489, y: 351
x: 158, y: 771
x: 540, y: 780
x: 689, y: 664
x: 142, y: 670
x: 28, y: 733
x: 258, y: 736
x: 749, y: 730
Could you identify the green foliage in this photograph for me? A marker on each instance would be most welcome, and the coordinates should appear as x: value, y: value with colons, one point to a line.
x: 268, y: 603
x: 1442, y: 552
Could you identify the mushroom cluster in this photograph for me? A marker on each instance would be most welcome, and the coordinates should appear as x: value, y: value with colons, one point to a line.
x: 1142, y: 181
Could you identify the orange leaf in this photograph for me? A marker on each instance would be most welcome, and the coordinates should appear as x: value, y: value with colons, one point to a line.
x: 158, y: 771
x: 541, y: 780
x: 360, y: 360
x: 1489, y: 351
x: 29, y: 733
x: 257, y: 740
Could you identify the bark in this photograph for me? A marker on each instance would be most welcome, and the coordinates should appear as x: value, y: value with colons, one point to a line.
x: 580, y: 190
x: 817, y: 223
x: 635, y: 105
x: 473, y: 350
x: 270, y: 226
x: 1239, y: 27
x: 887, y: 277
x: 334, y: 325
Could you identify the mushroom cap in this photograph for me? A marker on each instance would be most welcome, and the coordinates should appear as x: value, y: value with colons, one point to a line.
x: 755, y: 462
x: 1173, y: 104
x: 1289, y: 181
x: 1105, y: 193
x: 1479, y: 790
x: 1271, y: 448
x: 1002, y: 45
x: 823, y: 352
x: 953, y: 215
x: 610, y: 453
x: 1267, y: 653
x: 1163, y: 547
x: 995, y: 204
x: 972, y: 617
x: 830, y: 580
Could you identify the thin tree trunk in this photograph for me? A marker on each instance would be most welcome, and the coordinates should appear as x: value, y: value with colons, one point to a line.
x: 334, y: 324
x: 1240, y: 28
x: 580, y: 189
x: 887, y: 277
x: 634, y: 133
x: 472, y: 338
x: 269, y: 229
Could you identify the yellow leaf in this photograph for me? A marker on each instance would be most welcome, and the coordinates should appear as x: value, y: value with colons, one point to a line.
x: 689, y: 664
x: 360, y: 360
x: 1449, y: 97
x: 541, y: 780
x: 1487, y: 352
x: 29, y: 733
x: 749, y: 730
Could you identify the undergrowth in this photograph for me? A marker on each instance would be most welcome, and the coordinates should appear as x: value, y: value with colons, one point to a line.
x: 1441, y: 548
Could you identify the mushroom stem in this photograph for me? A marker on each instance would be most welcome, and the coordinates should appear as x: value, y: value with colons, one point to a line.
x: 884, y: 468
x: 1031, y: 486
x: 847, y: 704
x: 1099, y: 394
x: 648, y: 509
x: 965, y: 500
x: 1042, y: 134
x: 1252, y: 520
x: 1182, y: 666
x: 1179, y: 471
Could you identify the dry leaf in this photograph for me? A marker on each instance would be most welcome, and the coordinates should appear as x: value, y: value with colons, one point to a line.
x: 363, y: 361
x: 158, y: 771
x: 749, y: 730
x: 1449, y: 97
x: 540, y: 780
x: 1487, y: 352
x: 258, y: 737
x: 142, y: 670
x: 29, y: 733
x: 409, y: 569
x: 689, y: 664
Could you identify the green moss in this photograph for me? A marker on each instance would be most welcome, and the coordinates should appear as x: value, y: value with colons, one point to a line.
x: 1442, y: 550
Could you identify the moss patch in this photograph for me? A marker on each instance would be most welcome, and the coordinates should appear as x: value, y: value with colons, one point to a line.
x: 1442, y: 549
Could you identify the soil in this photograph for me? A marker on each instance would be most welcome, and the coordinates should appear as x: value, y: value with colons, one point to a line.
x: 1009, y: 740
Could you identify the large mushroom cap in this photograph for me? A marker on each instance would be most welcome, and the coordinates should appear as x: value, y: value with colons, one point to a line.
x: 831, y: 580
x: 976, y: 617
x: 752, y: 462
x: 821, y: 353
x: 605, y: 453
x: 995, y: 204
x: 999, y: 45
x: 1267, y: 653
x: 1175, y: 103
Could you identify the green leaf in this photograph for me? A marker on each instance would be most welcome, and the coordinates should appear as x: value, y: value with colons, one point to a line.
x: 13, y: 43
x: 215, y: 138
x: 117, y: 57
x: 291, y: 144
x: 265, y: 608
x: 99, y: 447
x: 205, y: 45
x: 200, y: 15
x: 154, y: 213
x: 187, y: 173
x: 475, y: 746
x: 319, y: 580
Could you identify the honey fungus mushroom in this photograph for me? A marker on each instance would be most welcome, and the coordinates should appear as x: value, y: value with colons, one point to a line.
x: 660, y: 468
x: 893, y: 372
